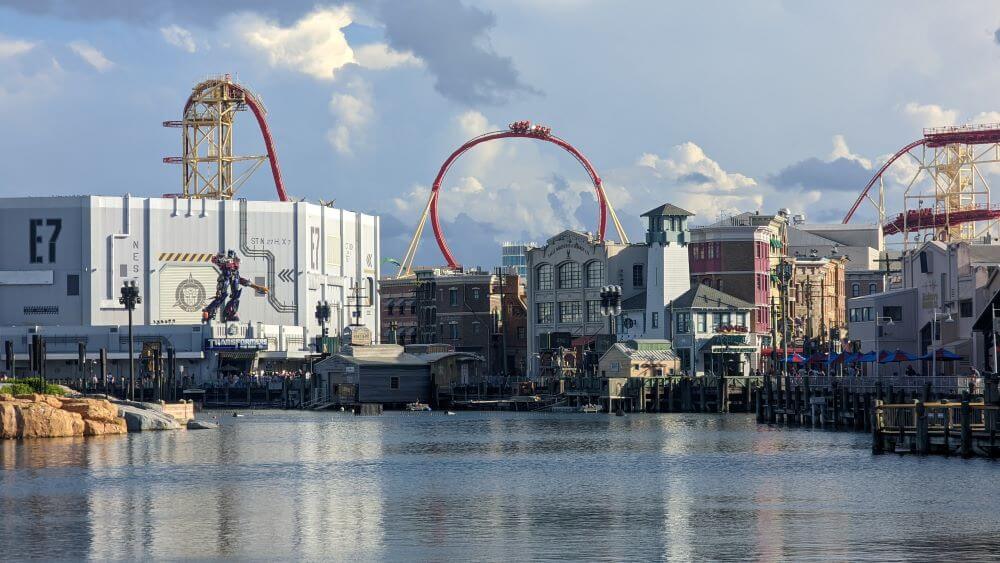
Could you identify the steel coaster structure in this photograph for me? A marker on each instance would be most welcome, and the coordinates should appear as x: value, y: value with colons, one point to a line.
x: 516, y: 130
x: 949, y: 194
x: 208, y: 161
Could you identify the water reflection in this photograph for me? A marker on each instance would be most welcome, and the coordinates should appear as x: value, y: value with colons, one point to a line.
x: 289, y: 485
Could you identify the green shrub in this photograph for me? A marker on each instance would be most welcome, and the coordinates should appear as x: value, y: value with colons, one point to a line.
x: 27, y: 385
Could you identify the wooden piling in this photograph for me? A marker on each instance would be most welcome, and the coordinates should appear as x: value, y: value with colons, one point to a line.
x: 923, y: 435
x: 966, y: 418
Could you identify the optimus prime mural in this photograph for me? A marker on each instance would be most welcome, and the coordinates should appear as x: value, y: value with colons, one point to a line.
x: 230, y: 285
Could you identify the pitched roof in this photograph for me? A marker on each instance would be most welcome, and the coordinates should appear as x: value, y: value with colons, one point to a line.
x: 667, y: 209
x: 635, y: 303
x: 703, y: 296
x: 648, y: 355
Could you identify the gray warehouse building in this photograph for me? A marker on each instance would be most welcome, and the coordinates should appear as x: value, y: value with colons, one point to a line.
x: 66, y: 258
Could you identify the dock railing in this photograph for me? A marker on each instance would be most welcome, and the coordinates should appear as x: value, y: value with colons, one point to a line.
x: 941, y: 384
x: 925, y: 426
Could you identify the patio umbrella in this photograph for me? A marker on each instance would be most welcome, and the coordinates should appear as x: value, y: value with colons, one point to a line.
x: 942, y: 356
x: 834, y: 359
x: 851, y: 358
x: 795, y: 358
x: 897, y: 356
x: 868, y: 357
x: 817, y: 358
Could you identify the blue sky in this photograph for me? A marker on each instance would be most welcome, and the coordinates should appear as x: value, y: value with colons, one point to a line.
x: 715, y: 106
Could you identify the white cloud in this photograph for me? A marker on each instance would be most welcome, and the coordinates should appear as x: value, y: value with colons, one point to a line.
x: 986, y: 117
x: 379, y: 56
x: 179, y: 37
x: 10, y: 48
x: 930, y: 115
x: 314, y: 45
x: 92, y: 56
x: 353, y: 111
x: 841, y: 150
x: 687, y: 163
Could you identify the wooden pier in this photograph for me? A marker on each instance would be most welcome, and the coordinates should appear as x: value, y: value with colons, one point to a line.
x: 923, y: 415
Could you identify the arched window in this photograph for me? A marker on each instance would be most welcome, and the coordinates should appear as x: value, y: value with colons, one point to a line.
x: 595, y: 273
x: 545, y: 276
x: 872, y: 288
x: 569, y: 275
x: 855, y: 290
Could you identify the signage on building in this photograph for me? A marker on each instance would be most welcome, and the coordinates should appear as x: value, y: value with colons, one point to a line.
x: 236, y: 344
x: 358, y: 335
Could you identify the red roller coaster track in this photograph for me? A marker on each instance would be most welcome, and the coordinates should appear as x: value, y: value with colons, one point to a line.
x: 261, y: 114
x: 920, y: 219
x: 522, y: 130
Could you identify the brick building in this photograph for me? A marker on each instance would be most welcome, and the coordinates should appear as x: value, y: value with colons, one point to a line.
x: 399, y: 311
x: 463, y: 309
x: 818, y: 296
x: 735, y: 256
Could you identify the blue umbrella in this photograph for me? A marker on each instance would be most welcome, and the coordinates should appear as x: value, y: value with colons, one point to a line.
x: 795, y: 358
x: 942, y: 356
x: 869, y: 357
x: 898, y: 356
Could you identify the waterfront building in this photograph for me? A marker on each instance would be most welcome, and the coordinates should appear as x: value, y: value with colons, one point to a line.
x: 565, y: 280
x: 513, y: 256
x: 66, y: 260
x: 736, y: 255
x: 953, y: 288
x: 393, y: 375
x: 818, y: 303
x: 640, y: 358
x: 399, y: 310
x: 712, y: 332
x: 462, y: 308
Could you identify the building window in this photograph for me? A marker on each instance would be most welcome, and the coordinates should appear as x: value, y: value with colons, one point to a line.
x: 453, y: 296
x: 638, y: 275
x: 894, y: 312
x: 545, y: 276
x: 73, y: 284
x: 394, y: 382
x: 522, y: 334
x: 965, y: 308
x: 740, y: 319
x: 595, y: 273
x: 453, y: 330
x: 683, y: 323
x: 855, y: 290
x: 701, y: 322
x: 544, y: 311
x: 872, y: 288
x: 388, y: 311
x: 569, y: 312
x: 569, y: 275
x: 475, y: 293
x: 718, y: 284
x: 413, y: 308
x: 593, y: 311
x: 475, y: 327
x: 655, y: 319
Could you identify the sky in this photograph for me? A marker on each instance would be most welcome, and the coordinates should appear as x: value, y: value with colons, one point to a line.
x: 718, y: 107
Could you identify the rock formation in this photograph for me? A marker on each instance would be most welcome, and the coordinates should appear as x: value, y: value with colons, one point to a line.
x: 46, y: 416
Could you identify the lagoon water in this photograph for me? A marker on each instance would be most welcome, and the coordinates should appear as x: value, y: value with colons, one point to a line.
x: 284, y: 485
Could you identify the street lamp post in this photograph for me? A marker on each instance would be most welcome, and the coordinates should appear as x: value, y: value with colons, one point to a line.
x: 934, y: 335
x: 611, y: 305
x: 323, y: 316
x: 785, y: 272
x: 130, y: 298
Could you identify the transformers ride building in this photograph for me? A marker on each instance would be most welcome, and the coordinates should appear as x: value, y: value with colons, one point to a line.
x: 65, y: 260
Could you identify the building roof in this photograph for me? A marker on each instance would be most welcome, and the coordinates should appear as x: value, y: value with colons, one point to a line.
x: 667, y: 209
x: 800, y: 237
x: 635, y: 303
x: 646, y: 355
x: 398, y: 360
x: 984, y: 253
x: 701, y: 296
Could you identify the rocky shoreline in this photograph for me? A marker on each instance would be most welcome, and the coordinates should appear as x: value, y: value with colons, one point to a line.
x: 51, y: 416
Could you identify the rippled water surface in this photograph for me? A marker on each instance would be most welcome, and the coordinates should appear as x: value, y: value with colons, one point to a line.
x: 290, y: 485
